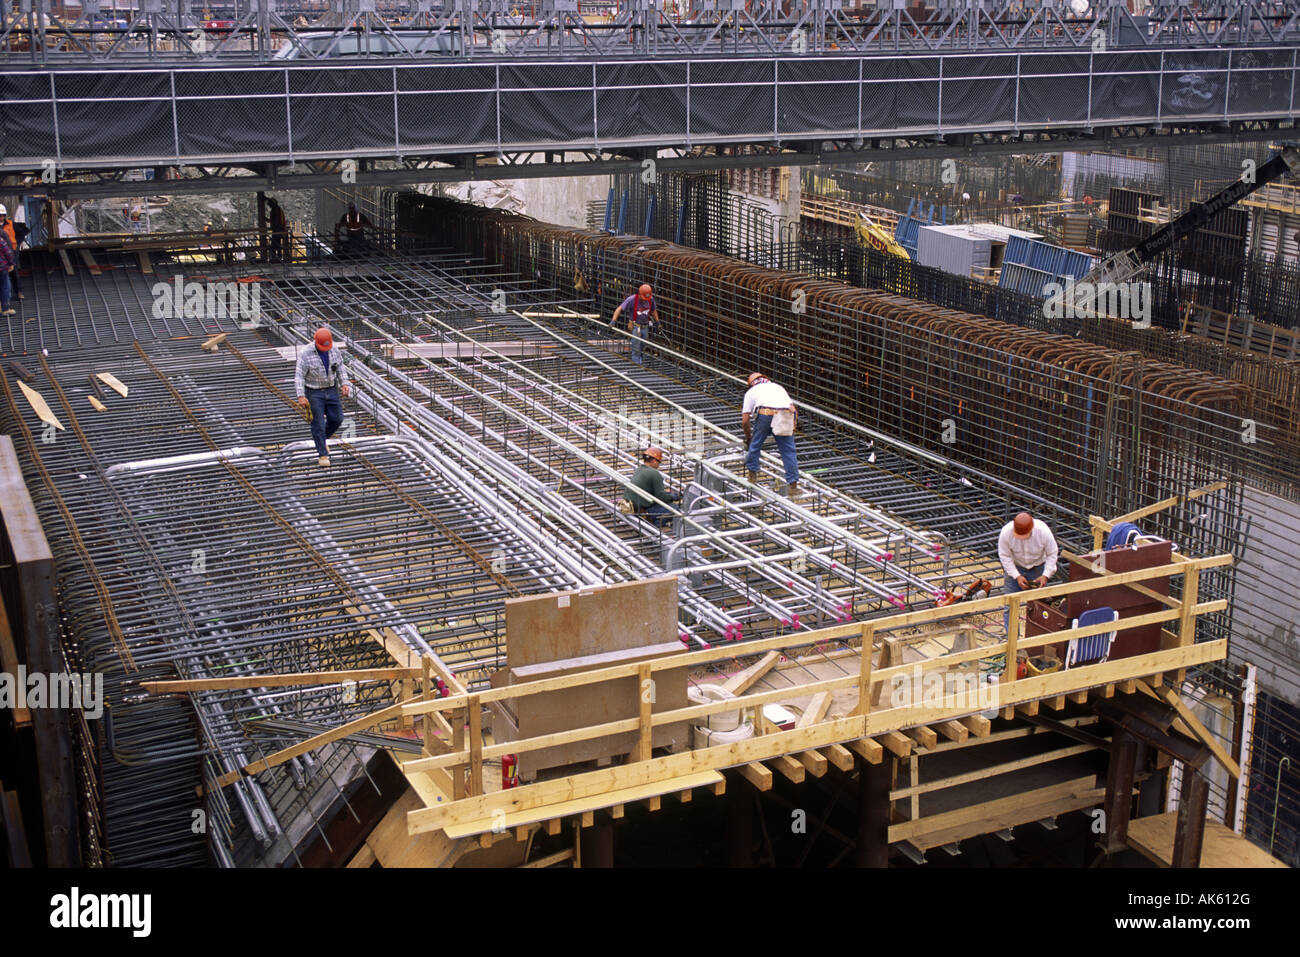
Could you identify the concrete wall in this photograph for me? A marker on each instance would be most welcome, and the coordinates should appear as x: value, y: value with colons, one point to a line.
x: 1266, y: 616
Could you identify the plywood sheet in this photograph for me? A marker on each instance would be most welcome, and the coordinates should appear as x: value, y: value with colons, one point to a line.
x: 1154, y: 838
x: 588, y: 621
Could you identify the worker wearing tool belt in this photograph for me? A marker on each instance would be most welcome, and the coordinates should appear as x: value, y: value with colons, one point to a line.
x: 318, y: 379
x: 1028, y: 553
x: 642, y: 316
x: 772, y: 412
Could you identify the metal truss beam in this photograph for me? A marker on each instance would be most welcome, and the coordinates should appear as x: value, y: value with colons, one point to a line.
x: 531, y: 166
x: 168, y: 31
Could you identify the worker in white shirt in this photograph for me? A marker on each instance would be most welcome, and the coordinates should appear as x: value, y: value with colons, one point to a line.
x: 1028, y: 553
x: 767, y: 410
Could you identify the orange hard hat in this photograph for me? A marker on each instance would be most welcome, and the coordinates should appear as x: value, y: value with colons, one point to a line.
x: 654, y: 452
x: 645, y: 290
x: 324, y: 339
x: 754, y: 377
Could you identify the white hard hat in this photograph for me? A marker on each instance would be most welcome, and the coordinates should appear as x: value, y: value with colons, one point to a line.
x: 3, y: 210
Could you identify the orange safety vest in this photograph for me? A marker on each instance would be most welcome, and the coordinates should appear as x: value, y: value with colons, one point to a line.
x: 9, y: 231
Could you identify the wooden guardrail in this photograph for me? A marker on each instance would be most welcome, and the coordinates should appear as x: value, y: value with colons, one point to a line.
x: 856, y: 729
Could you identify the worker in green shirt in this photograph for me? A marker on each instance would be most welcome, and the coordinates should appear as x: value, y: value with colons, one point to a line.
x: 650, y: 480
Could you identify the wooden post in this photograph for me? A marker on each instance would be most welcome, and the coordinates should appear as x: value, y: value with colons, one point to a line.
x: 1013, y: 637
x: 426, y: 720
x: 890, y: 655
x: 475, y: 746
x: 864, y: 670
x: 458, y: 742
x: 1189, y: 835
x: 1187, y: 620
x: 645, y: 694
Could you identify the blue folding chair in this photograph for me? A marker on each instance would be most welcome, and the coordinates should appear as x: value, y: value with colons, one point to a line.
x: 1094, y: 649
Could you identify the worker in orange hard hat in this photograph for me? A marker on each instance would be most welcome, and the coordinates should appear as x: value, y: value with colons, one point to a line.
x: 1028, y: 553
x: 767, y: 410
x: 319, y: 378
x: 647, y: 492
x: 642, y: 316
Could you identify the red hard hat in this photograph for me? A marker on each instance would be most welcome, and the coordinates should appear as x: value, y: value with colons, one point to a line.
x: 645, y: 290
x: 654, y: 452
x: 754, y: 377
x: 324, y: 339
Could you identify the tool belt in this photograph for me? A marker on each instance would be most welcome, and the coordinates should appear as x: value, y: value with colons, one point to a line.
x: 765, y: 411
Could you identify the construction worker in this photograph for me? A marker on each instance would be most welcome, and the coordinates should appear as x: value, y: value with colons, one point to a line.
x: 641, y: 316
x: 318, y: 379
x: 650, y: 480
x: 8, y: 265
x: 279, y: 231
x: 355, y: 223
x: 1028, y: 553
x: 7, y: 225
x: 767, y: 410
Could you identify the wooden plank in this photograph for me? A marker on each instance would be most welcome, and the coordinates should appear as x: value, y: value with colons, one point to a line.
x: 1055, y: 704
x: 88, y: 261
x: 757, y: 774
x: 475, y: 746
x: 211, y: 345
x: 871, y: 750
x: 1014, y: 625
x: 1153, y: 837
x: 839, y: 756
x: 828, y: 732
x: 1159, y: 506
x: 692, y: 659
x: 923, y: 736
x: 550, y: 860
x: 899, y: 744
x: 9, y: 664
x: 1078, y: 697
x: 738, y: 684
x: 994, y: 770
x: 909, y: 830
x: 645, y: 696
x: 67, y: 263
x: 953, y: 730
x: 815, y: 763
x: 864, y: 667
x: 1199, y: 731
x: 978, y: 725
x: 816, y: 709
x: 146, y: 267
x: 788, y: 768
x: 114, y: 383
x: 39, y: 405
x: 363, y: 858
x: 652, y: 793
x: 1011, y: 816
x: 1028, y: 709
x: 392, y: 712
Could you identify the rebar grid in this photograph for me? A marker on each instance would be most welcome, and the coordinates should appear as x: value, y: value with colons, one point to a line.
x: 520, y: 457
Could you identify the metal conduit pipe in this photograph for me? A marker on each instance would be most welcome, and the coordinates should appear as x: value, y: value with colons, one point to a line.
x: 557, y: 389
x: 780, y: 612
x: 597, y: 533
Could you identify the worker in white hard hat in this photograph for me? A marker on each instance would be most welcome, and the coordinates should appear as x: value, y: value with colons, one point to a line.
x: 767, y: 410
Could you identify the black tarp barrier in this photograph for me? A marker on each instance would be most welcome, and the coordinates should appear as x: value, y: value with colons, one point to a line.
x: 300, y: 110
